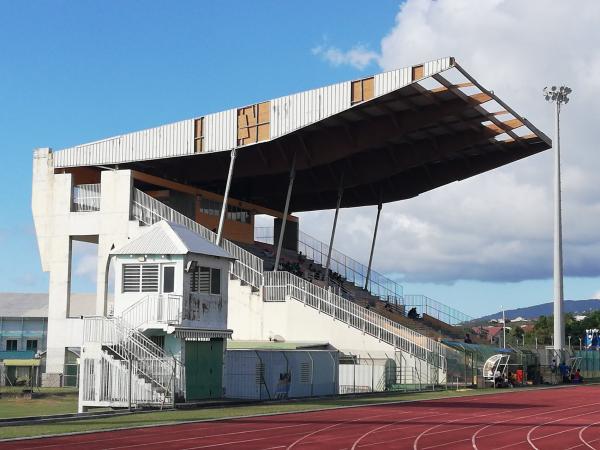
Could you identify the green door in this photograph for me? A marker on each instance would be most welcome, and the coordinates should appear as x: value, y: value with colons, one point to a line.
x: 204, y: 369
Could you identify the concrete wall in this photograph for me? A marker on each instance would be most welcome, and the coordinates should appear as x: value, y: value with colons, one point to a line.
x: 56, y: 226
x: 252, y: 319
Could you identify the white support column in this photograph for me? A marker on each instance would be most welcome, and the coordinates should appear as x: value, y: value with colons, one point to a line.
x: 559, y: 323
x: 285, y: 211
x: 560, y: 96
x: 373, y: 246
x: 335, y: 218
x: 226, y: 197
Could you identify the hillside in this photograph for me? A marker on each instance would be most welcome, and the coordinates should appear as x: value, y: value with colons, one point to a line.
x: 545, y: 309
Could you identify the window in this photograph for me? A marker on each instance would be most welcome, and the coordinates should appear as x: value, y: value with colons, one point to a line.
x: 140, y: 277
x: 205, y: 280
x: 235, y: 213
x: 168, y: 279
x: 11, y: 345
x: 32, y: 345
x: 215, y: 281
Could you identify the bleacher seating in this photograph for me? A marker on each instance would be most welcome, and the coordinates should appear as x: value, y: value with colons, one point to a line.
x: 299, y: 265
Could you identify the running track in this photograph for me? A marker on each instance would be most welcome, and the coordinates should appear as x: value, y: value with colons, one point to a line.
x: 560, y: 418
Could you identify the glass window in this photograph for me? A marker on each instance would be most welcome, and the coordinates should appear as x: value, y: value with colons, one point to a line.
x: 11, y: 345
x: 215, y: 281
x: 168, y: 279
x: 32, y: 344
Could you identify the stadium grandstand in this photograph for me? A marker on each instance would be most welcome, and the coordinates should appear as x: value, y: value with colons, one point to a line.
x: 172, y: 211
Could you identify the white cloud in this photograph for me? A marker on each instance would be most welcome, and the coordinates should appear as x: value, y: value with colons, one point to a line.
x: 496, y: 226
x: 358, y: 56
x: 85, y: 261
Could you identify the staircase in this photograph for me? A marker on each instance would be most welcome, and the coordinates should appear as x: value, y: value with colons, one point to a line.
x: 125, y: 368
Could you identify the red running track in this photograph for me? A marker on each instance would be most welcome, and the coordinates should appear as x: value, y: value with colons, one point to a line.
x: 558, y: 418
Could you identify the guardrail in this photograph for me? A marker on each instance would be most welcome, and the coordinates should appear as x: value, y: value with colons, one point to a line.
x: 349, y: 268
x: 247, y: 267
x: 379, y: 285
x: 151, y: 362
x: 433, y: 308
x: 279, y: 285
x: 154, y: 308
x: 86, y: 198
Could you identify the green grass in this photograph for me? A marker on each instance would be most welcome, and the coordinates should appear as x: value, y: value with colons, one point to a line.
x: 170, y: 417
x: 52, y: 404
x: 37, y: 390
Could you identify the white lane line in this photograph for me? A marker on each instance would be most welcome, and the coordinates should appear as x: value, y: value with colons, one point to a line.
x: 581, y: 445
x: 289, y: 447
x: 416, y: 442
x: 357, y: 441
x: 530, y: 441
x: 255, y: 430
x: 474, y: 436
x: 584, y: 442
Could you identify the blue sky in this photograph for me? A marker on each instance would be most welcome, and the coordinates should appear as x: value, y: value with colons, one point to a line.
x: 74, y: 72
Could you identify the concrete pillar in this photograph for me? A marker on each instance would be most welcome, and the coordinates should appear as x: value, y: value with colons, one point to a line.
x: 115, y: 206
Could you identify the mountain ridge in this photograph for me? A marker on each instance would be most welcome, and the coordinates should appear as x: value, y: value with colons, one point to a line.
x: 545, y: 309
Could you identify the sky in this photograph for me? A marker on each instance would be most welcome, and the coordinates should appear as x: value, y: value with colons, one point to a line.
x: 75, y: 72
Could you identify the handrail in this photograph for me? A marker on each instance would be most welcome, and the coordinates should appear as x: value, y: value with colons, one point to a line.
x: 347, y: 267
x: 151, y: 362
x: 154, y: 308
x: 247, y: 267
x: 279, y: 285
x: 379, y: 285
x: 433, y: 308
x: 86, y: 198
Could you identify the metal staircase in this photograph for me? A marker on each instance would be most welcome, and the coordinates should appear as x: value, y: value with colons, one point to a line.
x: 127, y: 368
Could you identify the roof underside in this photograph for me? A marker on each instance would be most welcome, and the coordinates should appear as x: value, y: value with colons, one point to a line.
x: 429, y: 133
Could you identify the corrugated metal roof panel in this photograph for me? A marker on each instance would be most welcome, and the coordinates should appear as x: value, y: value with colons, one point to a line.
x: 220, y: 131
x: 166, y: 141
x: 166, y: 238
x: 288, y: 113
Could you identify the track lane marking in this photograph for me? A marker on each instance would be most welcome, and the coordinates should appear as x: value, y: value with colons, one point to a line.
x: 289, y: 447
x: 354, y: 446
x: 580, y: 434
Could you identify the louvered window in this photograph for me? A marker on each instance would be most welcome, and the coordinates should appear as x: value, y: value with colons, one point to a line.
x: 140, y: 277
x: 205, y: 280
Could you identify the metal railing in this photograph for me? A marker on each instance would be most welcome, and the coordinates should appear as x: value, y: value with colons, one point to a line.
x: 86, y: 198
x: 435, y: 309
x: 116, y: 387
x: 350, y: 269
x: 247, y: 267
x: 154, y: 308
x: 280, y: 285
x: 151, y: 362
x: 379, y: 285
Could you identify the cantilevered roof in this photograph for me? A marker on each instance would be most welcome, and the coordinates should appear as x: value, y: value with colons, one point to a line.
x: 385, y: 138
x: 167, y: 238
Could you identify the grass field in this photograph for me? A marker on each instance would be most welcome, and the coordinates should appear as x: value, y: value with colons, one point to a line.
x: 52, y: 404
x: 69, y: 404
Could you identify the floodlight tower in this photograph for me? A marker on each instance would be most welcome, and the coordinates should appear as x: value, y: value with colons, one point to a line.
x: 559, y: 96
